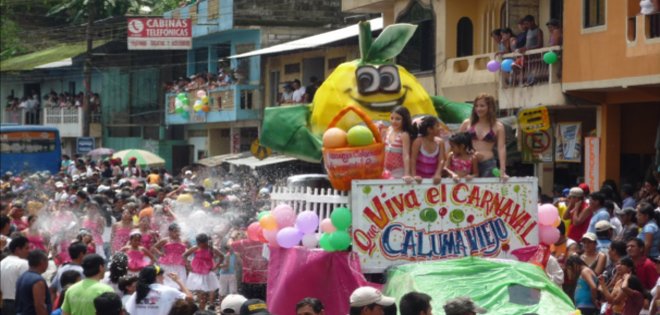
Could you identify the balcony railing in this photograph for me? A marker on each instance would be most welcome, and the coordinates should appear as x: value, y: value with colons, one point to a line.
x: 226, y: 103
x: 529, y: 69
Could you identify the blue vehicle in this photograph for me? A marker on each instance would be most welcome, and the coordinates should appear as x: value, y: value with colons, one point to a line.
x: 29, y: 148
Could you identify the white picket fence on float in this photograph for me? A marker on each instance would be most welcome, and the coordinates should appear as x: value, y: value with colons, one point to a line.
x: 319, y: 200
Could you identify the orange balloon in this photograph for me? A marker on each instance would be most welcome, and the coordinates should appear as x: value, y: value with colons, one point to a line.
x: 268, y: 222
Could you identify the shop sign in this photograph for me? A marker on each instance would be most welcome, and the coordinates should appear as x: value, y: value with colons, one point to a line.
x: 592, y: 162
x: 537, y: 147
x: 396, y: 223
x: 159, y: 34
x: 568, y: 142
x: 534, y: 119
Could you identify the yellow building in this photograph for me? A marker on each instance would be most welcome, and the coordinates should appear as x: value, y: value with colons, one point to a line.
x: 607, y: 79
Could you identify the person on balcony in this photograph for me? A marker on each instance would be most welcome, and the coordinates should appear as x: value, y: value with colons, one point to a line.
x: 298, y: 92
x: 554, y: 30
x: 496, y: 35
x: 533, y: 36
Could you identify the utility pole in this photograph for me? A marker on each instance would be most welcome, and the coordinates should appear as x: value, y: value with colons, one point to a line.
x: 87, y: 68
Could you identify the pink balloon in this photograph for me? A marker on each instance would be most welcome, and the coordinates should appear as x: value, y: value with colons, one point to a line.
x: 548, y: 214
x: 284, y: 215
x: 254, y: 230
x: 289, y: 237
x: 271, y: 237
x: 327, y: 226
x: 548, y: 234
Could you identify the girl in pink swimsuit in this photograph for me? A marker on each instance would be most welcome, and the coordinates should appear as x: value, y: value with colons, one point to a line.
x: 36, y: 238
x: 121, y: 231
x: 397, y: 144
x: 138, y: 256
x: 427, y: 150
x: 171, y: 255
x: 462, y: 161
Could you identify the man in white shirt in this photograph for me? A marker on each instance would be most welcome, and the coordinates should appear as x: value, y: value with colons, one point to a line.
x: 298, y: 92
x: 12, y: 267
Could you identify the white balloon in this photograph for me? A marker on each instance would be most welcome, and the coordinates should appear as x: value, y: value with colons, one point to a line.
x: 310, y: 240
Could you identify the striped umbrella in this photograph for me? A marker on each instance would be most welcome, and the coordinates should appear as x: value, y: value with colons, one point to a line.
x: 144, y: 158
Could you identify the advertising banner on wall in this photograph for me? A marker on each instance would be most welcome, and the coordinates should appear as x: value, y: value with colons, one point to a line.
x: 568, y: 142
x: 396, y: 223
x: 592, y: 162
x: 159, y: 34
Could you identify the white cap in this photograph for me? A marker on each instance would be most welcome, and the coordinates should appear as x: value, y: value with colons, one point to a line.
x: 232, y: 302
x: 602, y: 226
x: 364, y: 296
x: 59, y: 184
x: 590, y: 236
x: 188, y: 173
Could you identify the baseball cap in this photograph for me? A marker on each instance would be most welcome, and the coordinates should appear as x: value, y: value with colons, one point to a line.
x: 576, y: 192
x: 585, y: 188
x: 603, y: 226
x: 565, y: 192
x: 232, y: 303
x: 188, y: 173
x: 254, y: 307
x: 59, y: 184
x: 462, y: 305
x: 590, y: 236
x: 364, y: 296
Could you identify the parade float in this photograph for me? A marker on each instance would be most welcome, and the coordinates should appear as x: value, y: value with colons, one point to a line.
x: 323, y: 243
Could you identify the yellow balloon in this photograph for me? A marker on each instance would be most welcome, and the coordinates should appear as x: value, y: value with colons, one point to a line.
x: 207, y: 183
x: 268, y: 222
x: 185, y: 198
x: 205, y: 100
x: 340, y: 90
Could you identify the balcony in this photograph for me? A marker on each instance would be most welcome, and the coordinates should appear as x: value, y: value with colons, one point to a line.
x: 532, y: 82
x: 227, y: 104
x: 70, y: 121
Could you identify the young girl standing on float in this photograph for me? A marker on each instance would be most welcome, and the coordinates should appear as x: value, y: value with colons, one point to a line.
x: 462, y: 161
x: 397, y: 144
x: 171, y: 257
x: 427, y: 158
x: 94, y: 223
x: 202, y: 277
x: 138, y: 256
x: 149, y: 236
x: 121, y: 231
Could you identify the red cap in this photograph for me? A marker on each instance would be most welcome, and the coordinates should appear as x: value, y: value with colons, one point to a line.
x: 585, y: 188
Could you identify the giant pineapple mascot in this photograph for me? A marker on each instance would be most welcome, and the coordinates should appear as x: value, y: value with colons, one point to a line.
x: 373, y: 83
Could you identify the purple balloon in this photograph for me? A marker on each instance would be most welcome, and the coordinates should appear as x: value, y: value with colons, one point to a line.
x: 307, y: 222
x: 289, y: 237
x: 493, y: 66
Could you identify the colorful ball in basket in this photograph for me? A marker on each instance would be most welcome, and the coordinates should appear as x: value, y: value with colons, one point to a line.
x: 346, y: 164
x: 334, y: 138
x: 359, y: 136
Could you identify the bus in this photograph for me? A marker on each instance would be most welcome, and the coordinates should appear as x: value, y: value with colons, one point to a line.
x: 29, y: 148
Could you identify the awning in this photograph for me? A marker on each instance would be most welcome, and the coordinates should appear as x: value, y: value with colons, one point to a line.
x: 218, y: 159
x: 254, y: 163
x: 54, y: 57
x: 314, y: 41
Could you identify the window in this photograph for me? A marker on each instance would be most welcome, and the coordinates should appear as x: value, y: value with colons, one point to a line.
x: 594, y: 13
x: 201, y: 60
x: 464, y: 37
x: 653, y: 25
x: 419, y: 53
x: 292, y: 68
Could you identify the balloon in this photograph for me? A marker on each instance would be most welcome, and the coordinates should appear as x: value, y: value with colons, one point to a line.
x: 557, y: 222
x: 496, y: 172
x: 268, y: 222
x: 207, y: 183
x: 254, y: 230
x: 550, y: 57
x: 185, y: 101
x: 386, y: 175
x: 507, y: 65
x: 185, y: 198
x: 284, y: 215
x: 340, y: 240
x: 201, y: 93
x: 326, y: 226
x: 428, y: 215
x: 324, y: 242
x: 181, y: 96
x: 493, y: 66
x: 548, y: 235
x: 198, y: 108
x: 271, y: 237
x: 185, y: 115
x: 179, y: 110
x: 262, y: 214
x: 205, y: 100
x: 289, y: 237
x: 310, y: 240
x: 307, y: 222
x: 548, y: 214
x: 341, y: 218
x: 206, y: 108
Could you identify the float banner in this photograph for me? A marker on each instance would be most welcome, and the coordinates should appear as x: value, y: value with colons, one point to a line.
x: 396, y: 223
x: 159, y: 34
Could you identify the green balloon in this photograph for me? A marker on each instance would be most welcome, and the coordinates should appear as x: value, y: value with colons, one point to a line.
x: 181, y: 96
x: 457, y: 216
x: 324, y: 243
x: 516, y: 188
x: 550, y: 57
x: 341, y: 218
x: 262, y: 214
x: 340, y: 240
x: 185, y: 115
x: 428, y: 215
x: 185, y: 102
x: 496, y: 172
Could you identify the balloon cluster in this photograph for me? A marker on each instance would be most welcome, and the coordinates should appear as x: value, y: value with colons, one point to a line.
x: 335, y: 235
x: 182, y: 105
x: 548, y: 222
x: 282, y: 228
x: 507, y: 64
x: 202, y: 102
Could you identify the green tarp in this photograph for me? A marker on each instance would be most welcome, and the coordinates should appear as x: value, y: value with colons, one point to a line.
x: 501, y: 286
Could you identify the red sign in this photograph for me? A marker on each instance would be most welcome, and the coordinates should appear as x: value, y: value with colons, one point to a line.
x: 159, y: 34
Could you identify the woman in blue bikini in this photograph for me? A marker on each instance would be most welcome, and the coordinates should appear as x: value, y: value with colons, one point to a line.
x: 487, y: 132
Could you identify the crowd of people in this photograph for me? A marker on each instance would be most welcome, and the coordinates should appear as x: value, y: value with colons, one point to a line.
x: 295, y: 93
x: 32, y: 104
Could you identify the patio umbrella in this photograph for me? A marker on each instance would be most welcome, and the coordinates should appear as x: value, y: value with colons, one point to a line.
x: 101, y: 152
x: 144, y: 158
